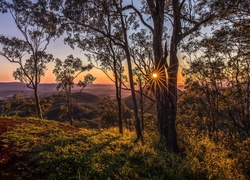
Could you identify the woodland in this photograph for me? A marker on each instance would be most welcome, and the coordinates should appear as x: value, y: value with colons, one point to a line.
x: 159, y: 131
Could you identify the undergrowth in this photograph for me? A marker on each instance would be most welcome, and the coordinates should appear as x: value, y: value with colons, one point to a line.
x: 52, y: 150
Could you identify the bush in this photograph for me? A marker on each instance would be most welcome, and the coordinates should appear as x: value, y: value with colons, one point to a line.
x: 206, y: 159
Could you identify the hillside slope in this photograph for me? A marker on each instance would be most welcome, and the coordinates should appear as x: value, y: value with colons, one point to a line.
x: 35, y: 149
x: 42, y: 149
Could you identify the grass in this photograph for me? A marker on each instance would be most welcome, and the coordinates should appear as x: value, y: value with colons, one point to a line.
x: 52, y: 150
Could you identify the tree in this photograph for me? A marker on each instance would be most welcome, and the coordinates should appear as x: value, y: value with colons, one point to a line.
x: 24, y: 107
x: 185, y: 18
x: 97, y: 20
x: 66, y: 72
x: 223, y: 73
x: 38, y: 27
x: 108, y: 58
x: 108, y: 111
x: 142, y: 57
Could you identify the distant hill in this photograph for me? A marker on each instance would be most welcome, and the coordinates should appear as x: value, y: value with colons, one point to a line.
x: 84, y: 106
x: 84, y: 102
x: 7, y: 90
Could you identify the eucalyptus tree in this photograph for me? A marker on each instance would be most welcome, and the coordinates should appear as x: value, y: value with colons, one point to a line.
x: 221, y: 76
x: 142, y: 58
x: 66, y: 72
x: 222, y: 67
x: 102, y: 19
x: 178, y: 19
x: 37, y: 27
x: 110, y: 59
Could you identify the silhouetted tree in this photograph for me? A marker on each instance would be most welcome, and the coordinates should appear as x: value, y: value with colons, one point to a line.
x: 97, y: 20
x: 183, y: 19
x: 66, y: 72
x: 37, y: 27
x: 178, y: 19
x: 222, y: 75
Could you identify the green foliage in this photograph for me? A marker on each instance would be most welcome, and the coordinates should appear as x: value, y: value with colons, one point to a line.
x: 24, y: 107
x: 52, y: 150
x: 66, y: 71
x: 109, y: 113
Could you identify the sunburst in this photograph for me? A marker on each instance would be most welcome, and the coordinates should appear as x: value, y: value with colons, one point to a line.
x: 157, y: 79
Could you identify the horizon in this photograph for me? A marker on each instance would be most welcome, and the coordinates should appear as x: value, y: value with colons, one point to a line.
x: 58, y: 49
x: 2, y: 82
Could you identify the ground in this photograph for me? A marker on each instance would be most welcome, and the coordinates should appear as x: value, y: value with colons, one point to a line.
x: 7, y: 155
x: 6, y: 152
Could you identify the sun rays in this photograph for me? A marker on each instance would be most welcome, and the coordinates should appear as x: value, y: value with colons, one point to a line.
x: 158, y: 79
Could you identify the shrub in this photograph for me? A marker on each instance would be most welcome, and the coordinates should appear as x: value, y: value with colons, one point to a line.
x: 207, y: 159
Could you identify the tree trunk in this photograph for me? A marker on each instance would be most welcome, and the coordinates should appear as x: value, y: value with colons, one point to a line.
x: 69, y: 107
x: 118, y: 97
x: 120, y: 105
x: 171, y: 136
x: 35, y: 87
x: 131, y: 81
x: 171, y: 107
x: 141, y: 103
x: 38, y: 106
x: 157, y: 12
x: 166, y: 89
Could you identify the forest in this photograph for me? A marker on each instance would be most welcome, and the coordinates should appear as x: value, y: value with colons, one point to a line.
x: 159, y: 131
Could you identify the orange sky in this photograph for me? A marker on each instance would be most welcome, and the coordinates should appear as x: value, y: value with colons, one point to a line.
x: 7, y: 68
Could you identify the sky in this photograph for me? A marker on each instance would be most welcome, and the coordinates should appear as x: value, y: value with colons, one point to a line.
x: 57, y: 48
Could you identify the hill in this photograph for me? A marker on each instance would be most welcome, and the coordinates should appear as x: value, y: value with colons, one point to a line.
x: 7, y: 90
x: 34, y: 149
x: 42, y: 149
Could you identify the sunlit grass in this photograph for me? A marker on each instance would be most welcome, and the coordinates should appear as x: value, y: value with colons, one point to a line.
x: 46, y: 149
x: 52, y: 150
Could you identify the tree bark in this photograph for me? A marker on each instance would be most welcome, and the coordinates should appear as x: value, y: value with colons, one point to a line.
x: 171, y: 136
x: 38, y: 106
x: 141, y: 103
x: 131, y: 81
x: 118, y: 96
x: 69, y: 107
x: 166, y: 88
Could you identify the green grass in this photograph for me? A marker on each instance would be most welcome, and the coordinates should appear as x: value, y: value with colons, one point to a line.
x: 47, y: 150
x: 52, y: 150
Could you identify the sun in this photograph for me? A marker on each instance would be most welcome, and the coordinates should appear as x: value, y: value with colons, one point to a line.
x: 158, y: 79
x: 154, y: 75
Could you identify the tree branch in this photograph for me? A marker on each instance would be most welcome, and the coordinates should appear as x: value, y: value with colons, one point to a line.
x: 140, y: 15
x: 196, y: 26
